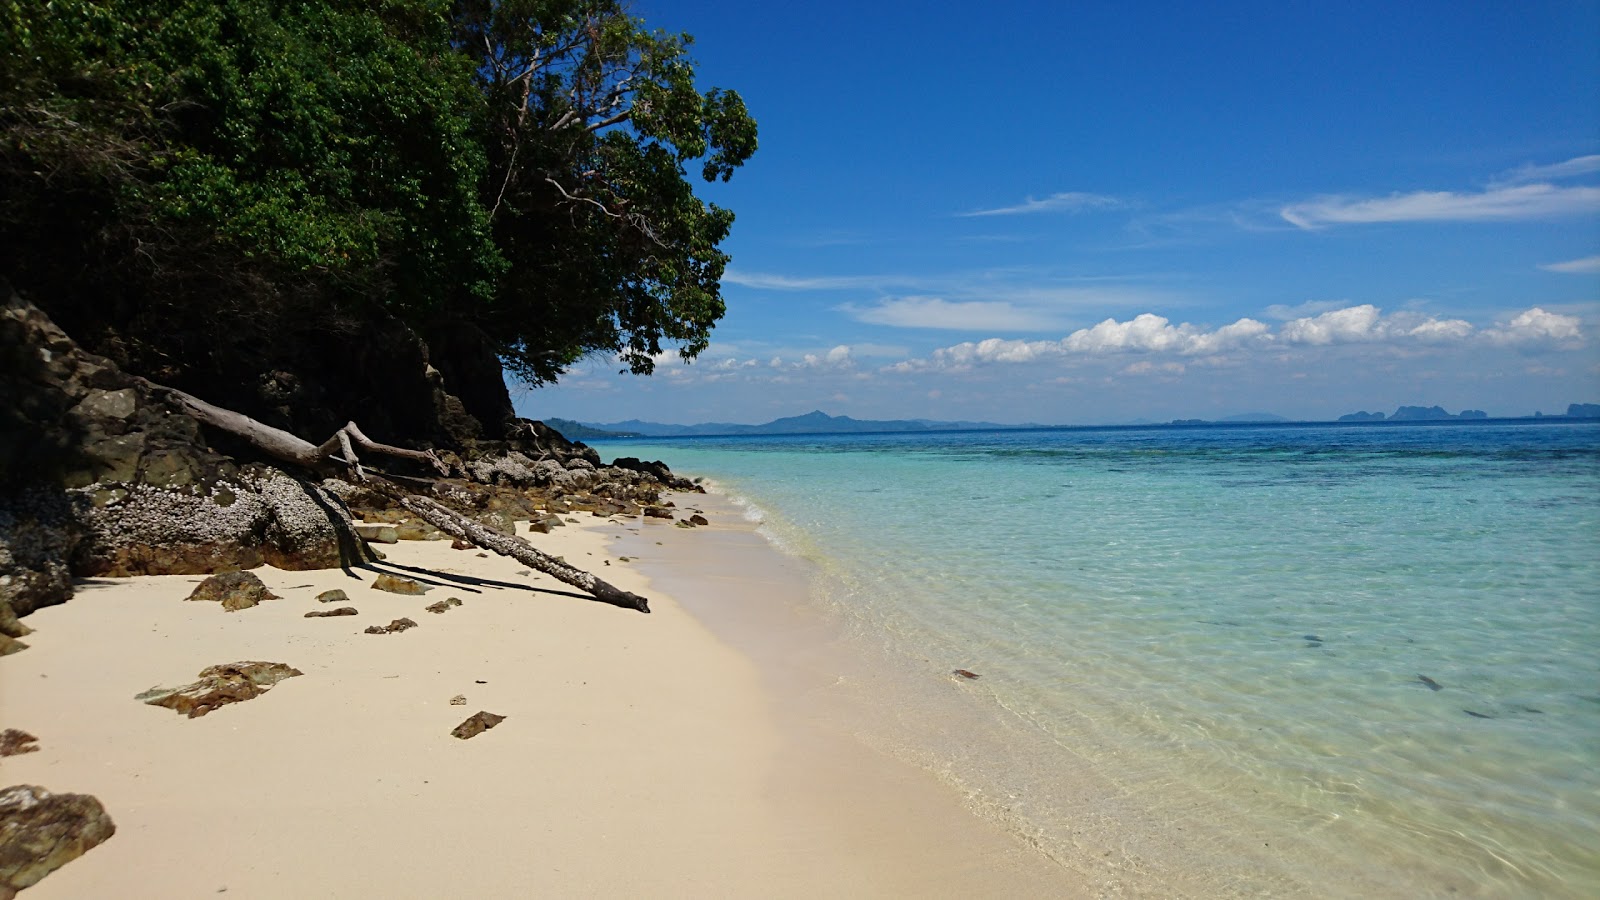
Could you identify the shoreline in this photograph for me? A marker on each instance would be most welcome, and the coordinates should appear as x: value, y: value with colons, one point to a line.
x: 640, y: 754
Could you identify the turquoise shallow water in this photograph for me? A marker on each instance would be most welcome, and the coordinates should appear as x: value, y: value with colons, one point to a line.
x: 1381, y: 638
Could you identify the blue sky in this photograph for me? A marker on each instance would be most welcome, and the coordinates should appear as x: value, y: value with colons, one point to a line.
x: 1080, y: 213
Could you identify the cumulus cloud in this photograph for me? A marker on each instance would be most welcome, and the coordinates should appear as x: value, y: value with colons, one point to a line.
x: 1066, y: 201
x: 1154, y: 335
x: 936, y: 312
x: 1534, y: 327
x: 1589, y: 265
x: 1366, y: 324
x: 1523, y: 201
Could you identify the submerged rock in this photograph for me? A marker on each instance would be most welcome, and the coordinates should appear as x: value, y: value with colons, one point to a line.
x: 397, y: 585
x: 40, y: 832
x: 476, y: 724
x: 220, y: 685
x: 234, y: 590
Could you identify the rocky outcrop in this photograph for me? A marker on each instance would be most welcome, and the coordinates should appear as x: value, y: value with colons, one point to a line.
x: 220, y: 685
x: 40, y: 832
x: 397, y: 585
x: 476, y: 724
x: 14, y: 742
x: 234, y: 590
x: 97, y: 477
x: 395, y: 627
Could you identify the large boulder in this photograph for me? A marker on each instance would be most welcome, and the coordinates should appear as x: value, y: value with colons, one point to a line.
x: 99, y: 477
x: 40, y: 832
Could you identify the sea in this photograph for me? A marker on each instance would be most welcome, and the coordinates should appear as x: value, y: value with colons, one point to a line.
x: 1359, y: 658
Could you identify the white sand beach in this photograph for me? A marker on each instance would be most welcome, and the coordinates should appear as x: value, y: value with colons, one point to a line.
x: 640, y: 755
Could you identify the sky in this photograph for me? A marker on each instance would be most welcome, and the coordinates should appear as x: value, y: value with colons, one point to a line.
x: 1090, y: 213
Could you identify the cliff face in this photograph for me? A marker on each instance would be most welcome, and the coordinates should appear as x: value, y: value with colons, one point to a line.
x: 100, y: 477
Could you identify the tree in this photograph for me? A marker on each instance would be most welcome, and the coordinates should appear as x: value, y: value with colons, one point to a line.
x: 200, y: 188
x: 590, y: 123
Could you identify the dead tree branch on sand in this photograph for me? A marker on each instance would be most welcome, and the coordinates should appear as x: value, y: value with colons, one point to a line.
x: 337, y: 457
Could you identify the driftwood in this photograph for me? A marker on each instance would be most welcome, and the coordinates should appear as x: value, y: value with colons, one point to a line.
x: 337, y: 456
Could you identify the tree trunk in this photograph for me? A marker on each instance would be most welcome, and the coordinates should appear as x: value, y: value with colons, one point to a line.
x: 282, y: 445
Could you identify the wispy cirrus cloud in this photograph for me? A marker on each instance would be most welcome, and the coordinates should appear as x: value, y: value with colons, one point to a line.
x: 1572, y: 168
x: 1526, y: 201
x: 1065, y: 201
x: 1589, y: 265
x: 1525, y: 193
x: 937, y: 312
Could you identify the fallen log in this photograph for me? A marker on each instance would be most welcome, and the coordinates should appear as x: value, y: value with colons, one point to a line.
x: 337, y: 457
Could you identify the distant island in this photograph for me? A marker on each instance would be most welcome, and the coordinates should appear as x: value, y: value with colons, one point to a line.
x: 814, y: 422
x: 818, y: 422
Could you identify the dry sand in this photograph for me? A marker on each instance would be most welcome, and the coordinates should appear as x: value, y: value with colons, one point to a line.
x: 640, y: 754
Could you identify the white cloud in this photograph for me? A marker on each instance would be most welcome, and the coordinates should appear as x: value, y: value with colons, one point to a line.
x: 1589, y: 265
x: 1535, y: 326
x: 1367, y: 324
x: 1066, y: 201
x: 1151, y: 334
x: 1309, y: 308
x: 1524, y: 201
x: 837, y: 358
x: 769, y: 281
x: 1582, y: 165
x: 936, y: 312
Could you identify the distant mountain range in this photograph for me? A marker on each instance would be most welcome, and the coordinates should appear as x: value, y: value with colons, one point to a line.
x: 818, y: 422
x: 814, y: 422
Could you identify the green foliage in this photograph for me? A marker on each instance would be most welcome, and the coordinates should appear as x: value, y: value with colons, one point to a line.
x: 517, y: 166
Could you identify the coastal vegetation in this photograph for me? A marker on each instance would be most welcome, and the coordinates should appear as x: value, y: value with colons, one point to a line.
x: 207, y: 191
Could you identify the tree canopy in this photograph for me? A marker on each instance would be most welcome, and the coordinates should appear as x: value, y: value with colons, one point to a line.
x: 522, y: 168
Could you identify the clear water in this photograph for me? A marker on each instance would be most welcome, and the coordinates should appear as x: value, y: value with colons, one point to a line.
x: 1242, y: 620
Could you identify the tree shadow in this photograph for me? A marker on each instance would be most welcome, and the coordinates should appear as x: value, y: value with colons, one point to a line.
x: 465, y: 582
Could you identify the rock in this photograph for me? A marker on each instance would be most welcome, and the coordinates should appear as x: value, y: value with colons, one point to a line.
x: 379, y: 534
x: 396, y: 585
x: 443, y: 605
x: 459, y: 544
x: 395, y: 627
x: 657, y: 512
x: 10, y: 645
x: 965, y: 674
x: 220, y: 685
x: 14, y: 742
x: 477, y: 724
x: 684, y: 523
x: 419, y: 531
x: 234, y: 590
x: 325, y: 613
x: 698, y: 519
x: 458, y: 700
x: 10, y: 625
x: 544, y: 524
x: 334, y: 596
x: 40, y: 832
